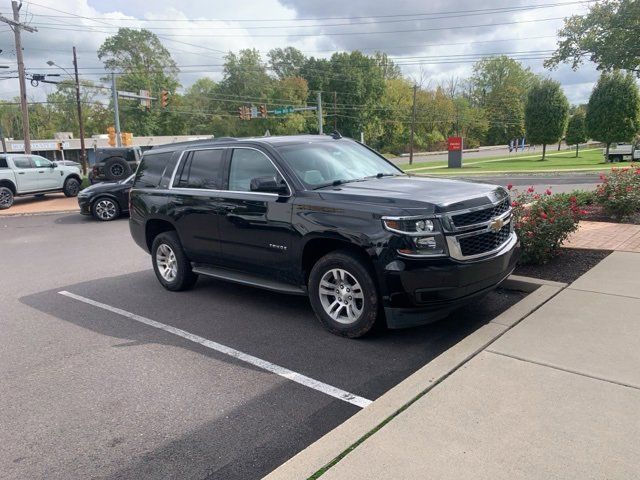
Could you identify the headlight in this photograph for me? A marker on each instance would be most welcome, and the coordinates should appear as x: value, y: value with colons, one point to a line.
x: 412, y: 226
x: 423, y: 236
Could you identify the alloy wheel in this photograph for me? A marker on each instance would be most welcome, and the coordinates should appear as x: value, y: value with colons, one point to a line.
x: 106, y: 209
x: 5, y: 198
x: 341, y: 296
x: 167, y: 263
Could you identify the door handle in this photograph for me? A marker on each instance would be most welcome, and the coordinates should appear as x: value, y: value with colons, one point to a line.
x: 20, y: 173
x: 41, y: 171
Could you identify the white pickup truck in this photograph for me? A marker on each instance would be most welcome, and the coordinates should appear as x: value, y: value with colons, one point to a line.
x: 622, y: 151
x: 34, y: 175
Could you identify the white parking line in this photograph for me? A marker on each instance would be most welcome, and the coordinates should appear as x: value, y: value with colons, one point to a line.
x: 268, y: 366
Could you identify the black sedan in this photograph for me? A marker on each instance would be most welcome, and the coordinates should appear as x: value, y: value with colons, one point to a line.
x: 106, y: 200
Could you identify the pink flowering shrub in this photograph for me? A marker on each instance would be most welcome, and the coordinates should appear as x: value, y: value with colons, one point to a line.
x: 543, y: 222
x: 619, y: 192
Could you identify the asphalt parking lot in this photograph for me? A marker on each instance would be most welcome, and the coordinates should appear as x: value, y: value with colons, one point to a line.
x: 105, y: 374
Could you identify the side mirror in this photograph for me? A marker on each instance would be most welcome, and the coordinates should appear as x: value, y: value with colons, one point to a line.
x: 268, y: 185
x: 53, y: 165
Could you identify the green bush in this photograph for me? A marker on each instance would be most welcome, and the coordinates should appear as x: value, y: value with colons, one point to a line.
x: 543, y: 222
x: 619, y: 192
x: 583, y: 198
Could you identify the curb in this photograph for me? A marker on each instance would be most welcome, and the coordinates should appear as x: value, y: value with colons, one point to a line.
x: 332, y: 447
x: 33, y: 214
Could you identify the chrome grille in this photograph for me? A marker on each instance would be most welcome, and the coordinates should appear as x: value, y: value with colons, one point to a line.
x: 484, y: 242
x: 480, y: 216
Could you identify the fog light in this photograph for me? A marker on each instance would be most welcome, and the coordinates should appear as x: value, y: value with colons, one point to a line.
x: 424, y: 226
x: 426, y: 243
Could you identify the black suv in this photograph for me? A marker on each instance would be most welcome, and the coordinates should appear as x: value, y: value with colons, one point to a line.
x: 114, y: 164
x: 326, y: 217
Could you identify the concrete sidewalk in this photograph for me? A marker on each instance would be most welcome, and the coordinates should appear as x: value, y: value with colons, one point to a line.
x: 50, y: 203
x: 556, y: 396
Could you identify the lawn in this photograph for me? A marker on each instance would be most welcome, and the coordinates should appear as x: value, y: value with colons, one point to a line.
x: 590, y: 159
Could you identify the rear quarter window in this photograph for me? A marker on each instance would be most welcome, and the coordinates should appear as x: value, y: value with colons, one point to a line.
x: 151, y: 168
x: 3, y: 163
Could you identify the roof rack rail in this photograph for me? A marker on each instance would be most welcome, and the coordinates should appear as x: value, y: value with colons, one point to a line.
x: 335, y: 135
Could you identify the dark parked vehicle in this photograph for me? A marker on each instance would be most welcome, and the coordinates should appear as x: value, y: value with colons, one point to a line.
x: 107, y: 200
x: 326, y: 217
x: 114, y: 164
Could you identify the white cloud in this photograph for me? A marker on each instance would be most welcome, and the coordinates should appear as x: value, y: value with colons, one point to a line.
x: 184, y: 22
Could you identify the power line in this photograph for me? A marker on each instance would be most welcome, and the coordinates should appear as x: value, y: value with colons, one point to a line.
x: 263, y: 20
x: 288, y: 35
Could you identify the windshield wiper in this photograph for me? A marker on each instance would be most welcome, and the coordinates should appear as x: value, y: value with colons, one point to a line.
x: 380, y: 175
x: 335, y: 183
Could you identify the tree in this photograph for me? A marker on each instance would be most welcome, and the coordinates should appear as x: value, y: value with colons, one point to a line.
x: 286, y: 62
x: 545, y: 114
x: 607, y: 35
x: 499, y: 86
x: 577, y: 130
x: 504, y: 108
x: 613, y: 109
x: 142, y: 63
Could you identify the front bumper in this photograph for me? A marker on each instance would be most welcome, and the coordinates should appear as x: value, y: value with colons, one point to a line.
x: 417, y: 292
x: 85, y: 206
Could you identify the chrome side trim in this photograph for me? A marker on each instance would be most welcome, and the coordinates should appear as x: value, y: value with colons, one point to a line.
x: 182, y: 154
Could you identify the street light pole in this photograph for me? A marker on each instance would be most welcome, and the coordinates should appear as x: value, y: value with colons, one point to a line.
x: 83, y: 151
x: 116, y: 113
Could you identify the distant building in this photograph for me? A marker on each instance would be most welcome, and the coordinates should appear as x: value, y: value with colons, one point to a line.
x: 71, y: 146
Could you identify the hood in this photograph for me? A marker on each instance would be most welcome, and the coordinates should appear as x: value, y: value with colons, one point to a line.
x: 434, y: 195
x: 104, y: 187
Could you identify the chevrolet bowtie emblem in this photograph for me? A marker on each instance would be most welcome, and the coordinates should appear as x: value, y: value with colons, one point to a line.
x: 496, y: 224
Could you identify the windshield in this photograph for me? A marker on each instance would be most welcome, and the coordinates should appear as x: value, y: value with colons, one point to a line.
x: 319, y: 164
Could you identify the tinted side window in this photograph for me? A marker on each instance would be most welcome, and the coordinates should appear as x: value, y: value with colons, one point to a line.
x: 151, y: 168
x: 247, y: 164
x: 23, y: 162
x: 203, y: 169
x: 3, y: 163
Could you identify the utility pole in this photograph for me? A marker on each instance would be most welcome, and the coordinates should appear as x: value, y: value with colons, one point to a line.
x: 320, y: 113
x: 335, y: 111
x: 83, y: 151
x: 17, y: 27
x: 116, y: 113
x: 4, y: 143
x: 413, y: 122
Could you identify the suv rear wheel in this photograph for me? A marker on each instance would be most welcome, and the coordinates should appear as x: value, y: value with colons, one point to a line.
x: 343, y: 294
x: 171, y: 265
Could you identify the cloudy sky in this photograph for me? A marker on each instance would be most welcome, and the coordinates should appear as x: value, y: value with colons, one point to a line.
x: 436, y: 39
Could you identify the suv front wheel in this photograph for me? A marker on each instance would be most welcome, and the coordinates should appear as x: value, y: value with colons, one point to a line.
x: 171, y: 265
x: 343, y: 294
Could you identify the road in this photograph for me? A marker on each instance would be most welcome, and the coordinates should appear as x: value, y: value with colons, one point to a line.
x: 558, y: 183
x: 99, y: 382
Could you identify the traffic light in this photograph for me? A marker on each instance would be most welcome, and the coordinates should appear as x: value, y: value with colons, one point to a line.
x: 111, y: 132
x: 164, y: 98
x: 263, y: 111
x: 127, y: 139
x: 244, y: 113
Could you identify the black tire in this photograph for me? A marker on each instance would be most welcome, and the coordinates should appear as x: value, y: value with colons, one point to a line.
x: 105, y: 209
x: 184, y: 278
x: 117, y: 169
x: 71, y: 187
x: 6, y: 198
x: 355, y: 267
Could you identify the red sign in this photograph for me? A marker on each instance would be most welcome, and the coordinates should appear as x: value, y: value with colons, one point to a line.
x: 455, y: 144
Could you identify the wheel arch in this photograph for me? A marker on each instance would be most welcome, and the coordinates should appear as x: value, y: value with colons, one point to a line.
x: 10, y: 185
x: 154, y: 227
x: 317, y: 247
